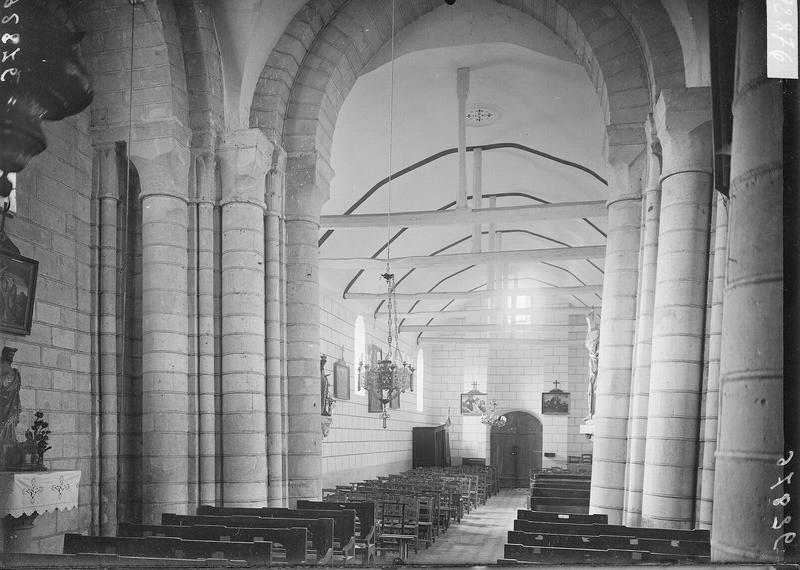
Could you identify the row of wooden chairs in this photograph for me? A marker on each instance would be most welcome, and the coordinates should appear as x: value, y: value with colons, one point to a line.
x: 416, y: 506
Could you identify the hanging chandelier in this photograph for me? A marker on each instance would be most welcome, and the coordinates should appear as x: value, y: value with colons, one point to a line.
x: 41, y: 78
x: 492, y: 418
x: 386, y: 379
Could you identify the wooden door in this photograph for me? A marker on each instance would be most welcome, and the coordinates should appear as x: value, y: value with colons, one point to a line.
x: 517, y: 449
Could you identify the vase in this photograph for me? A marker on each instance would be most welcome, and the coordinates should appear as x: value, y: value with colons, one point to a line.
x: 39, y: 459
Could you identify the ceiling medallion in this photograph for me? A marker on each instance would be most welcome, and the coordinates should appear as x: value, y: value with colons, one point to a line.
x: 482, y: 115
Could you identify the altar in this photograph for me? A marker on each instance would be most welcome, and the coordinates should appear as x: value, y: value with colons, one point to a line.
x: 25, y: 493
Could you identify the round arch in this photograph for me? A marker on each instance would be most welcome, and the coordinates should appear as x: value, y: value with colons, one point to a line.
x: 322, y: 52
x: 516, y: 448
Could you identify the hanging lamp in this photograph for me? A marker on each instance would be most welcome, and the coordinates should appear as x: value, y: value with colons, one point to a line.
x: 41, y: 78
x: 386, y: 379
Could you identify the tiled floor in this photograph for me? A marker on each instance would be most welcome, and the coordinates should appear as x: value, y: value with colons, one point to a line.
x: 481, y: 535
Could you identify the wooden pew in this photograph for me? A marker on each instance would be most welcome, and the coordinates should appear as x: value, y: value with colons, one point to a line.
x: 293, y: 540
x: 344, y: 528
x: 365, y: 511
x: 560, y: 492
x: 100, y: 561
x: 547, y: 516
x: 680, y: 549
x: 614, y: 530
x: 560, y: 504
x: 321, y: 530
x: 574, y: 555
x: 166, y: 547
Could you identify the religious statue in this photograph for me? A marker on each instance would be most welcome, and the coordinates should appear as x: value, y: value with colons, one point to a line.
x: 10, y: 384
x: 326, y: 400
x: 592, y: 344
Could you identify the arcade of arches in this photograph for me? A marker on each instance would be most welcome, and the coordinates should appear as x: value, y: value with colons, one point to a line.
x: 205, y: 237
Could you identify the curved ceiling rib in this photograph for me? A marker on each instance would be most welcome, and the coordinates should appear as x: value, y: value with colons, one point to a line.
x: 446, y: 152
x: 460, y: 271
x: 450, y: 205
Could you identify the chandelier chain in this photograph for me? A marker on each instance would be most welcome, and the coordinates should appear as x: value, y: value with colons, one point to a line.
x: 391, y: 133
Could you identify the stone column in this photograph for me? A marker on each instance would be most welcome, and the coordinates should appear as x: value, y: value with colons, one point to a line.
x: 206, y: 200
x: 714, y: 349
x: 108, y: 202
x: 616, y: 342
x: 751, y: 367
x: 244, y: 157
x: 637, y: 427
x: 682, y: 121
x: 163, y: 172
x: 306, y: 191
x: 273, y: 328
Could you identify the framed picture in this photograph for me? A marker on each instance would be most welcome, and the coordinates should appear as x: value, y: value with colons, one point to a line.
x: 341, y: 380
x: 555, y: 402
x: 373, y: 404
x: 17, y: 292
x: 473, y: 404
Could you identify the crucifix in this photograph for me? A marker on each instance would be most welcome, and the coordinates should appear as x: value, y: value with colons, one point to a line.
x: 555, y: 384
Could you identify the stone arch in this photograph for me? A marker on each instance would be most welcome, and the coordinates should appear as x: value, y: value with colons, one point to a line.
x: 322, y: 52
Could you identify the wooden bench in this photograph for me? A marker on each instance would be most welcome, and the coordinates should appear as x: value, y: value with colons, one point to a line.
x: 292, y: 540
x: 99, y: 561
x: 365, y: 511
x: 698, y: 551
x: 320, y: 530
x: 574, y: 555
x: 613, y: 530
x: 166, y: 547
x: 560, y: 492
x: 344, y: 528
x: 547, y: 516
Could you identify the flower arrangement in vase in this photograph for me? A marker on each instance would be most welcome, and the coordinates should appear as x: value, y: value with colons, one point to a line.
x: 36, y: 439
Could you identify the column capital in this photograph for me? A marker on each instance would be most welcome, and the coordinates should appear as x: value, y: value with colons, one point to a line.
x: 245, y: 157
x: 653, y: 183
x: 308, y: 183
x: 625, y: 184
x: 683, y: 121
x: 164, y: 169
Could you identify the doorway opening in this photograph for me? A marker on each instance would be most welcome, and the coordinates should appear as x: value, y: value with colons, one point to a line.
x: 516, y: 449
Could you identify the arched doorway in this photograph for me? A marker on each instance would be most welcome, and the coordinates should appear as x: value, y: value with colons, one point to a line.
x: 517, y: 449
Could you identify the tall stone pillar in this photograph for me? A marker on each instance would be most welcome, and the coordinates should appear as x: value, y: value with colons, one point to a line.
x: 616, y: 342
x: 306, y: 191
x: 682, y: 121
x: 205, y: 177
x: 710, y: 428
x: 751, y: 367
x: 274, y: 330
x: 245, y: 157
x: 163, y: 167
x: 640, y: 386
x: 108, y: 201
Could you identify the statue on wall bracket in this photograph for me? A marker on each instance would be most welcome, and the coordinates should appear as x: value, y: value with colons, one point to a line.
x: 592, y: 344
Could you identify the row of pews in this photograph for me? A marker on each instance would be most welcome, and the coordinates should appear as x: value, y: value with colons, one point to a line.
x: 562, y: 536
x: 562, y: 492
x: 353, y: 525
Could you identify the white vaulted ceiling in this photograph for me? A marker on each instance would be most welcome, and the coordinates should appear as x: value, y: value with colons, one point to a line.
x: 545, y: 101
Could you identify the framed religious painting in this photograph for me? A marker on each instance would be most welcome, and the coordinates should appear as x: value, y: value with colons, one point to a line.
x: 341, y: 380
x: 555, y: 402
x: 473, y: 403
x: 17, y: 292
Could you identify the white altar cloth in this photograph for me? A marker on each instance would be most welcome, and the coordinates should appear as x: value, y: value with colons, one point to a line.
x: 28, y: 492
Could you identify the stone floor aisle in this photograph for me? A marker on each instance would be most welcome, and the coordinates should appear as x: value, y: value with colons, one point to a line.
x: 481, y: 535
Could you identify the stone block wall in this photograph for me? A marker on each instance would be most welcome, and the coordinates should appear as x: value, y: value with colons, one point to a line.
x: 515, y: 377
x: 357, y: 447
x: 53, y: 225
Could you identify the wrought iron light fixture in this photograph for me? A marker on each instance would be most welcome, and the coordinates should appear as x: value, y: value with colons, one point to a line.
x: 387, y: 379
x: 41, y: 78
x: 492, y: 418
x: 391, y: 376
